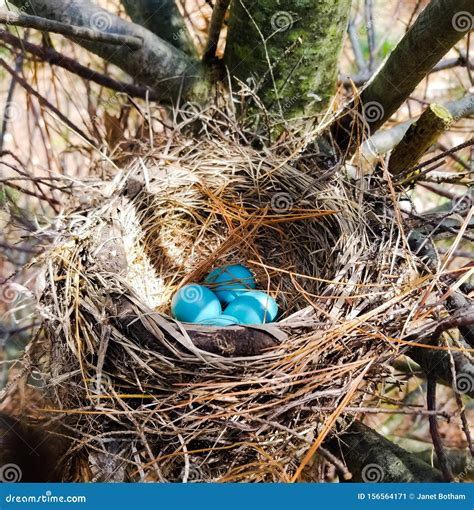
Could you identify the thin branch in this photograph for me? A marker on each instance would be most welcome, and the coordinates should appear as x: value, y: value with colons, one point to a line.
x: 171, y: 73
x: 435, y: 162
x: 386, y: 139
x: 11, y: 90
x: 215, y: 27
x: 435, y: 436
x: 369, y: 24
x: 73, y: 31
x: 356, y: 48
x: 53, y: 57
x: 45, y: 102
x: 364, y: 76
x: 420, y: 136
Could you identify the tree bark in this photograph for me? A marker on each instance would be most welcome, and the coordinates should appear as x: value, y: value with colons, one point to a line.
x: 372, y: 458
x: 168, y: 71
x: 289, y: 49
x: 419, y: 137
x: 162, y: 17
x: 439, y: 27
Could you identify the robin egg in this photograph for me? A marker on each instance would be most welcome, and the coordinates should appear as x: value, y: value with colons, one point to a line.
x: 269, y: 305
x: 250, y: 309
x: 195, y: 303
x: 228, y: 282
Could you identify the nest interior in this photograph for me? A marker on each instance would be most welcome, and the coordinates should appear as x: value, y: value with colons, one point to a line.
x: 145, y: 398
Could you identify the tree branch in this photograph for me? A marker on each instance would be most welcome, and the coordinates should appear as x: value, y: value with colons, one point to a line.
x: 55, y: 58
x: 215, y: 27
x: 168, y: 71
x: 434, y: 430
x: 419, y: 137
x: 45, y: 103
x: 384, y: 140
x: 372, y: 458
x: 72, y: 31
x: 439, y: 27
x: 162, y: 17
x: 449, y: 63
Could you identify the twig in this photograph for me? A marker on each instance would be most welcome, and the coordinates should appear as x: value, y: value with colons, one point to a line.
x: 6, y: 117
x: 341, y: 469
x: 378, y: 410
x: 45, y: 102
x: 53, y: 57
x: 215, y: 26
x: 356, y: 48
x: 435, y: 159
x: 362, y: 77
x: 437, y: 441
x: 369, y: 23
x: 57, y: 27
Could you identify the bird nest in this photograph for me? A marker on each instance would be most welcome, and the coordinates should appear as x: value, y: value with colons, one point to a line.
x: 145, y: 398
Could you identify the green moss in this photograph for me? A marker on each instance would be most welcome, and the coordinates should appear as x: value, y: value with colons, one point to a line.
x: 292, y: 47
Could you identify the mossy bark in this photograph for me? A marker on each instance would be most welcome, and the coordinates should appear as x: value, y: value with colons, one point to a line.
x: 289, y: 49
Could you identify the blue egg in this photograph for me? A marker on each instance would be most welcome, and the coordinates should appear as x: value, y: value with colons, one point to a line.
x: 195, y: 303
x: 228, y: 282
x: 269, y: 304
x: 221, y: 320
x: 246, y: 310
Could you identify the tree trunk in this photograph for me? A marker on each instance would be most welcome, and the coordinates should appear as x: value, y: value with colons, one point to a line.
x: 289, y: 49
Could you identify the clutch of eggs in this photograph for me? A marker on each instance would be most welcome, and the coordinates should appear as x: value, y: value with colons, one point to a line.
x: 232, y: 287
